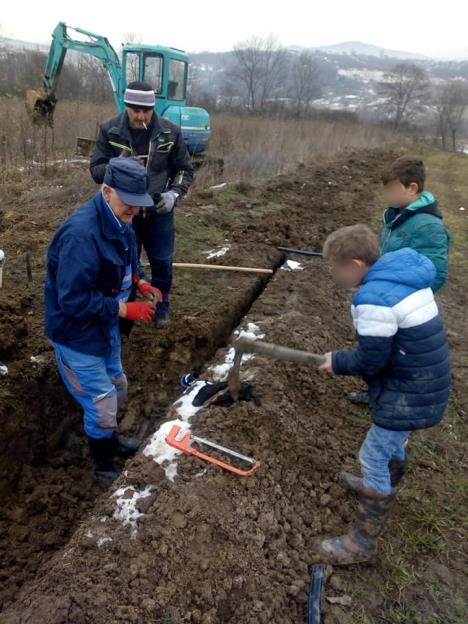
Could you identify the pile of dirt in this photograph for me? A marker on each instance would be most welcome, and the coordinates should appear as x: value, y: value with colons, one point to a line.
x: 210, y: 548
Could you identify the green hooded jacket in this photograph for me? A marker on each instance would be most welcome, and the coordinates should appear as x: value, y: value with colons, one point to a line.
x: 420, y: 227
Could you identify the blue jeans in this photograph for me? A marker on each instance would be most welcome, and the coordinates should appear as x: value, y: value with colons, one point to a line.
x: 156, y: 234
x: 98, y: 384
x: 377, y: 450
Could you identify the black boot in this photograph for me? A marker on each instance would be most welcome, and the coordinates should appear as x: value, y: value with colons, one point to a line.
x: 361, y: 397
x: 398, y: 468
x: 103, y: 451
x: 127, y: 446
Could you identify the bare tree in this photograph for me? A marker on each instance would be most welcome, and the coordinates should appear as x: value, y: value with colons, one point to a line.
x: 403, y: 87
x: 273, y: 67
x: 451, y: 104
x: 248, y: 68
x: 305, y: 81
x: 259, y: 67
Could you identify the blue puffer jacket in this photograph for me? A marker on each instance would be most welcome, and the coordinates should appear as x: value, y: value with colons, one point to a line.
x: 403, y: 351
x: 86, y: 265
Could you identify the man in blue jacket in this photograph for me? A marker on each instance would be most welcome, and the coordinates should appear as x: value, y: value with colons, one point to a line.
x: 403, y: 355
x: 92, y: 273
x: 140, y: 133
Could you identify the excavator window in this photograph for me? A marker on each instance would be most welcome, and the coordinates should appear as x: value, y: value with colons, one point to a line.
x: 153, y: 71
x: 132, y: 66
x: 177, y: 80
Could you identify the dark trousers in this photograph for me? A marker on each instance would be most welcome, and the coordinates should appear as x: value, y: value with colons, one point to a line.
x: 156, y: 234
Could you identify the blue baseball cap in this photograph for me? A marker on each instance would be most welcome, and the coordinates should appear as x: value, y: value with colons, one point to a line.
x: 130, y: 181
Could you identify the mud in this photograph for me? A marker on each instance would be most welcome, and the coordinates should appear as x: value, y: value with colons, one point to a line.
x: 208, y: 547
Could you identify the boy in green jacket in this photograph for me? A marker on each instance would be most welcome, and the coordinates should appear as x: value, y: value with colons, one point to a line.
x: 413, y: 220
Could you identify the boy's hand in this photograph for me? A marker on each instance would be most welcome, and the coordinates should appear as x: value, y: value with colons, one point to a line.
x: 327, y: 367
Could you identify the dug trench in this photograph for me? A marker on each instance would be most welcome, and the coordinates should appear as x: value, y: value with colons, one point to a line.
x: 208, y: 547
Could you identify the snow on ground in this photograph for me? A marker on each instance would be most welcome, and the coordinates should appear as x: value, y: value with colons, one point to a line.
x: 126, y: 508
x: 157, y: 447
x: 217, y: 253
x: 292, y: 265
x: 221, y: 371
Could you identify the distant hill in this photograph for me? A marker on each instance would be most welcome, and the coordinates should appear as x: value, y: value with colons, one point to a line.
x: 5, y: 42
x: 366, y: 49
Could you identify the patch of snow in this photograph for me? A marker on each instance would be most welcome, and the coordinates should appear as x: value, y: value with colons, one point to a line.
x: 217, y: 253
x: 462, y: 208
x: 221, y: 371
x: 126, y: 506
x: 292, y: 265
x: 3, y: 369
x: 157, y: 447
x: 103, y: 540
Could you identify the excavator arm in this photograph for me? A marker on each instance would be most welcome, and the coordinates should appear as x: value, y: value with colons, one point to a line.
x: 41, y: 104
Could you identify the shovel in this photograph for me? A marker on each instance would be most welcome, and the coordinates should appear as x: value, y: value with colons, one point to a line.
x: 267, y: 349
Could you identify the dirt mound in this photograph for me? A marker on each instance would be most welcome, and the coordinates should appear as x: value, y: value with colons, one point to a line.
x: 209, y: 548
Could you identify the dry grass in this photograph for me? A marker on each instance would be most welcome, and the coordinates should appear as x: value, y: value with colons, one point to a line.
x: 260, y: 146
x: 251, y: 147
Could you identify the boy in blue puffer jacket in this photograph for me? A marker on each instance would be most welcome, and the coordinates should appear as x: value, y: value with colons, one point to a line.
x: 402, y: 354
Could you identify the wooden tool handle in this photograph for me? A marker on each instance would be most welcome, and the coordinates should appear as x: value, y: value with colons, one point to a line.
x: 278, y: 353
x: 220, y: 267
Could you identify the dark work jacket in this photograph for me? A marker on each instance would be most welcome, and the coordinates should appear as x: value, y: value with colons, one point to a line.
x: 169, y: 164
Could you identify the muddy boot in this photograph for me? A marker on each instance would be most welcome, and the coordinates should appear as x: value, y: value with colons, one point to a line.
x: 127, y: 446
x: 103, y: 451
x: 162, y: 320
x: 398, y: 468
x: 352, y: 482
x: 361, y: 397
x: 360, y: 544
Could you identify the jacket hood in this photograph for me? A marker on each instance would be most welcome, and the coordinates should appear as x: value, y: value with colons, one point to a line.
x: 404, y: 266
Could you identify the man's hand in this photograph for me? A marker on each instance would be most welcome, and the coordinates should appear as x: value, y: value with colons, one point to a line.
x: 150, y: 292
x: 327, y: 367
x: 137, y: 311
x: 166, y: 202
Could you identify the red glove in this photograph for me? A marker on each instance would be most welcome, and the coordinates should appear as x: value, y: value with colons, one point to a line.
x: 150, y: 292
x: 139, y: 311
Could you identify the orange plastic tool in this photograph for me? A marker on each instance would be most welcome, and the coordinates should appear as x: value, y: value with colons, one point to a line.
x: 184, y: 445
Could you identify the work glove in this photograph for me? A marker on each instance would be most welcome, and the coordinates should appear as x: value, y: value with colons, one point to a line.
x: 166, y: 202
x: 150, y: 292
x: 139, y: 311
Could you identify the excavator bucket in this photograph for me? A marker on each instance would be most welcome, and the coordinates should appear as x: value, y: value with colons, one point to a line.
x: 40, y: 107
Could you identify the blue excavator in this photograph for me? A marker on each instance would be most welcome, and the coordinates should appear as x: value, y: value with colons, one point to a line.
x: 166, y: 69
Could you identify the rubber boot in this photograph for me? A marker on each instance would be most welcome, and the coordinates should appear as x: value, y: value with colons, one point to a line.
x: 360, y: 544
x: 127, y: 446
x: 361, y: 397
x: 103, y: 452
x: 397, y: 468
x: 162, y: 320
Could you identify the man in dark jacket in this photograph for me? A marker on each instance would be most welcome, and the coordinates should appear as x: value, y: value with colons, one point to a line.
x: 158, y: 144
x: 403, y: 355
x: 92, y: 272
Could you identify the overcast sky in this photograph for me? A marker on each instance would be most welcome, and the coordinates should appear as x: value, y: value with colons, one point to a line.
x: 434, y: 29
